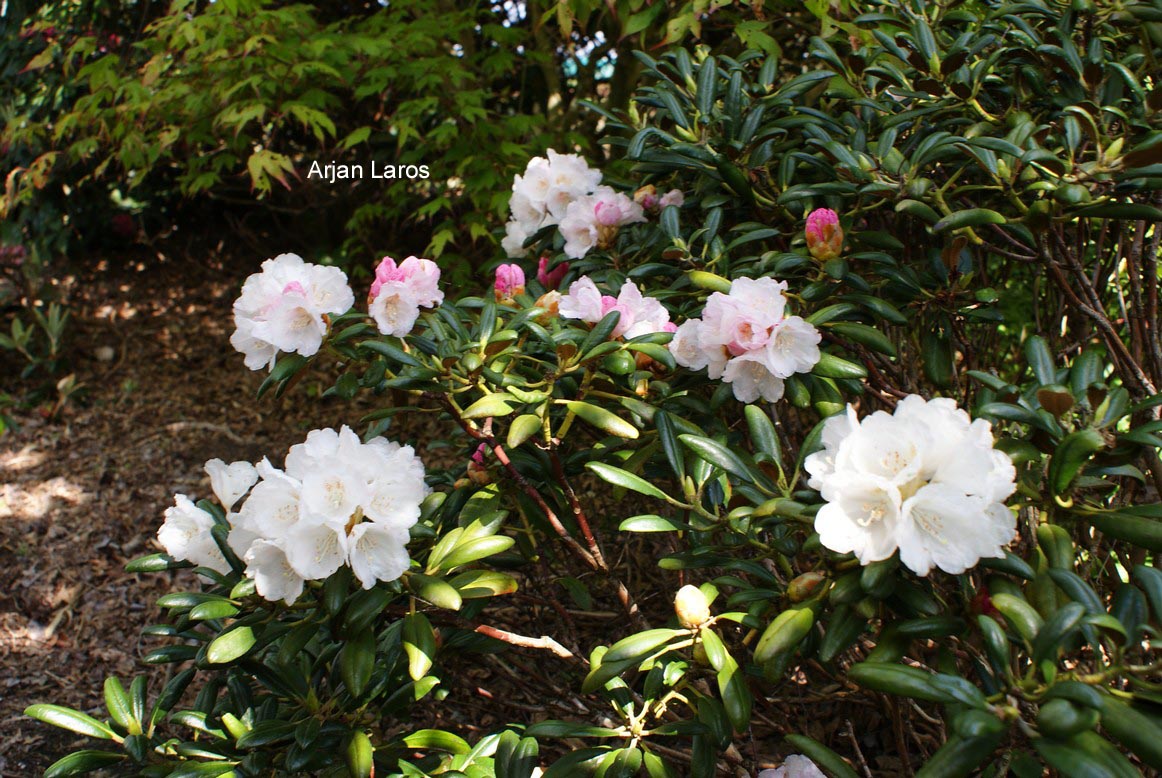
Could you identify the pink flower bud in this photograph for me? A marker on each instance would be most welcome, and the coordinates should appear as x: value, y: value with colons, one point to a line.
x: 672, y: 197
x: 608, y: 214
x: 510, y: 281
x: 551, y: 279
x: 477, y: 470
x: 646, y: 197
x: 824, y: 235
x: 478, y: 454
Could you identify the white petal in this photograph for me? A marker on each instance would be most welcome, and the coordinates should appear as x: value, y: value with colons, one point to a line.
x: 185, y: 535
x: 394, y: 309
x: 943, y: 527
x: 274, y: 578
x: 230, y: 481
x: 375, y: 554
x: 315, y: 551
x: 272, y: 508
x: 332, y: 495
x: 863, y: 521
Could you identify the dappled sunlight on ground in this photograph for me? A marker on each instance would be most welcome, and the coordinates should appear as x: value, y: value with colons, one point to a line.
x: 83, y: 495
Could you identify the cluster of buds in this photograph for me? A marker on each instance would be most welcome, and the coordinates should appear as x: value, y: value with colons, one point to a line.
x: 510, y: 283
x: 647, y: 197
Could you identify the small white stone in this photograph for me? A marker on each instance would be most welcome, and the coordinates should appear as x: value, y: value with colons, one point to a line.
x: 104, y: 353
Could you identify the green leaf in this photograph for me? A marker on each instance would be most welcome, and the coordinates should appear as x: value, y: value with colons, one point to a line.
x: 493, y: 405
x: 438, y: 740
x: 475, y: 549
x: 419, y: 643
x: 656, y: 352
x: 155, y: 563
x: 120, y: 709
x: 1085, y: 755
x: 960, y: 757
x: 360, y: 756
x: 393, y: 353
x: 717, y: 454
x: 599, y: 334
x: 736, y: 696
x: 474, y: 584
x: 81, y: 762
x: 1071, y: 455
x: 230, y: 645
x: 831, y: 366
x: 356, y: 662
x: 904, y: 681
x: 1061, y: 624
x: 73, y: 721
x: 784, y: 633
x: 974, y: 217
x: 522, y: 428
x: 1140, y: 530
x: 639, y: 645
x: 652, y: 523
x: 214, y: 609
x: 435, y: 590
x: 1025, y: 620
x: 625, y: 479
x: 709, y: 281
x: 1041, y: 360
x: 668, y: 437
x: 762, y: 433
x: 1134, y: 730
x: 604, y: 420
x: 865, y: 335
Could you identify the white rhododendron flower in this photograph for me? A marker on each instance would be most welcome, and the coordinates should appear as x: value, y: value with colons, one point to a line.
x: 794, y: 766
x: 514, y: 240
x: 399, y: 291
x: 274, y: 578
x: 925, y: 480
x: 563, y: 190
x: 338, y: 502
x: 746, y: 339
x: 593, y: 220
x: 284, y: 308
x: 541, y: 196
x: 185, y: 535
x: 230, y: 482
x: 639, y: 315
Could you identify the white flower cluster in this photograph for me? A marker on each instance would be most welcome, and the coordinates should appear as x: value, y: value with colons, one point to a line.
x: 284, y: 308
x: 746, y: 339
x: 399, y: 291
x: 338, y: 502
x: 563, y: 190
x: 639, y: 315
x: 924, y: 479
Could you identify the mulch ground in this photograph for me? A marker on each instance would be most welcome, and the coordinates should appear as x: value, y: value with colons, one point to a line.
x: 83, y: 493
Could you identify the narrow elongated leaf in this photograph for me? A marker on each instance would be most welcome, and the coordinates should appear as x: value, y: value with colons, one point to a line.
x: 624, y: 479
x: 604, y: 420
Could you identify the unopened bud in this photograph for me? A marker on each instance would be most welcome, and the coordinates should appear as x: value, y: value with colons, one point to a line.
x: 824, y: 235
x: 550, y: 303
x: 510, y: 282
x: 691, y: 606
x: 804, y: 586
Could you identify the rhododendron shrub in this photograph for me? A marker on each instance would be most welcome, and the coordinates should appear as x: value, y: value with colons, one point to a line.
x: 798, y: 459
